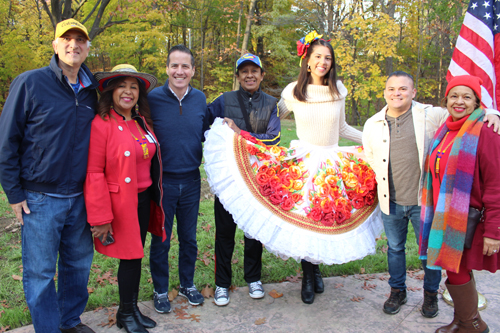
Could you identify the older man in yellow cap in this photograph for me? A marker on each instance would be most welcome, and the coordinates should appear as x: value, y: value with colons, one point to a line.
x: 44, y: 140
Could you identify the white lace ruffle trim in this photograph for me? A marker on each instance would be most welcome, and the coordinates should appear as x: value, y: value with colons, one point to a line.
x: 279, y: 237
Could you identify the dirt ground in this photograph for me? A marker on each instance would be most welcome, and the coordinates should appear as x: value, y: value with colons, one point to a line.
x: 9, y: 224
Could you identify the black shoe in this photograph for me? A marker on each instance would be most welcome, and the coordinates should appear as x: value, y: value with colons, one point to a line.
x: 145, y: 321
x: 125, y: 317
x: 307, y: 292
x: 430, y: 306
x: 80, y: 328
x: 393, y: 304
x: 319, y: 287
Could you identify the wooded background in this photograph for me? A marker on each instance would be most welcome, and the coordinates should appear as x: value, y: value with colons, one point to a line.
x: 370, y: 38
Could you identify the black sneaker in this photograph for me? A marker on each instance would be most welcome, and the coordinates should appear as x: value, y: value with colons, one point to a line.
x: 161, y: 302
x: 192, y: 294
x: 430, y: 306
x: 393, y: 304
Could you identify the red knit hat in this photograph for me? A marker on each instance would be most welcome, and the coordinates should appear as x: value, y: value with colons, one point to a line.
x: 470, y: 81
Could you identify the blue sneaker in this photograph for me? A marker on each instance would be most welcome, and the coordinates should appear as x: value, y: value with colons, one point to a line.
x: 161, y: 302
x: 192, y: 294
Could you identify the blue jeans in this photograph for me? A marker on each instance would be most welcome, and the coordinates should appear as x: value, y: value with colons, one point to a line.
x: 183, y: 201
x: 56, y: 226
x: 396, y: 229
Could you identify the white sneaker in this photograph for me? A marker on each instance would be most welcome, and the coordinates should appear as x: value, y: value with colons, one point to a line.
x: 255, y: 289
x: 221, y: 297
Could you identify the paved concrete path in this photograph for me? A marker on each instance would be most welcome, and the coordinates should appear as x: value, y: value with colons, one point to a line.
x: 333, y: 311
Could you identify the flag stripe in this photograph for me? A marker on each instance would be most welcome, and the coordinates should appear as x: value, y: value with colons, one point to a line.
x: 477, y: 51
x: 481, y: 29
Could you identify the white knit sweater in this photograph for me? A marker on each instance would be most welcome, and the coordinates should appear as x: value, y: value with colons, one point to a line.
x: 321, y: 120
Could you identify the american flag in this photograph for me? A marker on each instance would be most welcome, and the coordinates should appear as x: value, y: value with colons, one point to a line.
x: 477, y: 51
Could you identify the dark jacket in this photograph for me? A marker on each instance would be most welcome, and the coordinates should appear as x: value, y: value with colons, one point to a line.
x: 262, y: 111
x: 45, y: 132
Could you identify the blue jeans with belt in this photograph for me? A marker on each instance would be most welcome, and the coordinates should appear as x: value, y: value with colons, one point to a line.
x: 56, y: 226
x: 182, y: 201
x: 396, y: 229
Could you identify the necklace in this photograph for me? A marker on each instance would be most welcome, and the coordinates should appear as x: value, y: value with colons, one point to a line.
x: 144, y: 144
x: 440, y: 153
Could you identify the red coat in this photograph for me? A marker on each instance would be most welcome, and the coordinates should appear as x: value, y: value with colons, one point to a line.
x: 110, y: 188
x: 485, y: 194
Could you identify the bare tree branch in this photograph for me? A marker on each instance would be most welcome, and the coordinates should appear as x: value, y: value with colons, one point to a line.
x: 91, y: 12
x: 79, y: 6
x: 47, y: 10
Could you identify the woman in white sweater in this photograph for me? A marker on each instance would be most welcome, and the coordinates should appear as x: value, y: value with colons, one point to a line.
x: 314, y: 201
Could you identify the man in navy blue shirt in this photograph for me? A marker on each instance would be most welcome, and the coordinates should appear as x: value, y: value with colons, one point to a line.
x: 179, y: 113
x: 44, y: 141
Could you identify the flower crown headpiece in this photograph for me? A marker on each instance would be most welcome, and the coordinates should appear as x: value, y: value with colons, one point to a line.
x: 304, y: 43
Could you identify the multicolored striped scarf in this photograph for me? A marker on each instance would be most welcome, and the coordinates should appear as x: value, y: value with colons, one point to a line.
x: 442, y: 232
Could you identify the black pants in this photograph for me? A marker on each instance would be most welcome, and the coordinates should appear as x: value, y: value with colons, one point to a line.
x: 225, y: 229
x: 129, y: 271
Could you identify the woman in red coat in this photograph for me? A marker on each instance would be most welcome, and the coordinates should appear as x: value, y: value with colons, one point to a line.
x: 460, y: 185
x: 123, y: 186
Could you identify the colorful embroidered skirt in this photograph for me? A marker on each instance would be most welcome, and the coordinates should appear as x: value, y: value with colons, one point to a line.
x: 304, y: 202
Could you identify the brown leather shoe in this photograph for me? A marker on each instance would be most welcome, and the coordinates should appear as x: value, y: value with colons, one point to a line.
x: 80, y: 328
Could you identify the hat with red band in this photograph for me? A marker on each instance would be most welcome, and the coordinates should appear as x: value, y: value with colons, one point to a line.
x: 125, y: 70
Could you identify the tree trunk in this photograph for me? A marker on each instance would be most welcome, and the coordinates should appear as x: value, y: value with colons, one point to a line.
x: 238, y: 32
x: 246, y: 38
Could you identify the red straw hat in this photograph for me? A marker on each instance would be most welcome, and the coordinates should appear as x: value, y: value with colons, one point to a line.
x: 470, y: 81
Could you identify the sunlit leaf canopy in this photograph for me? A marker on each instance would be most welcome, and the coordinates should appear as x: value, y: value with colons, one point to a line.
x: 370, y: 38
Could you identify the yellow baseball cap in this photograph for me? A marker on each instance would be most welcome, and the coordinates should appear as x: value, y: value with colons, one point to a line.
x: 70, y: 24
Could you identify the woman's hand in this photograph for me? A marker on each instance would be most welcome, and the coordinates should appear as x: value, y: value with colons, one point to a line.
x: 231, y: 125
x: 490, y: 246
x: 101, y: 230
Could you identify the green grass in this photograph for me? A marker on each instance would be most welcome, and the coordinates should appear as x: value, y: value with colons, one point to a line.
x: 13, y: 311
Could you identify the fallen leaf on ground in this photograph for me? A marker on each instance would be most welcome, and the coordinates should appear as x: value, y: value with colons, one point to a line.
x: 98, y: 309
x: 384, y: 249
x: 294, y: 278
x: 207, y: 292
x: 338, y: 285
x: 260, y: 321
x: 383, y: 278
x: 207, y: 227
x: 17, y: 277
x: 357, y: 299
x: 172, y: 294
x: 182, y: 301
x: 233, y: 289
x: 274, y: 294
x: 235, y: 261
x: 182, y: 315
x: 150, y: 280
x: 4, y: 329
x: 111, y: 313
x: 3, y: 311
x: 3, y: 303
x: 362, y: 270
x: 90, y: 290
x: 414, y: 289
x: 195, y: 318
x: 367, y: 286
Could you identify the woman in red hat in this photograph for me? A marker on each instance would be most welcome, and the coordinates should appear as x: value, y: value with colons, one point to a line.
x: 123, y: 189
x: 464, y: 159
